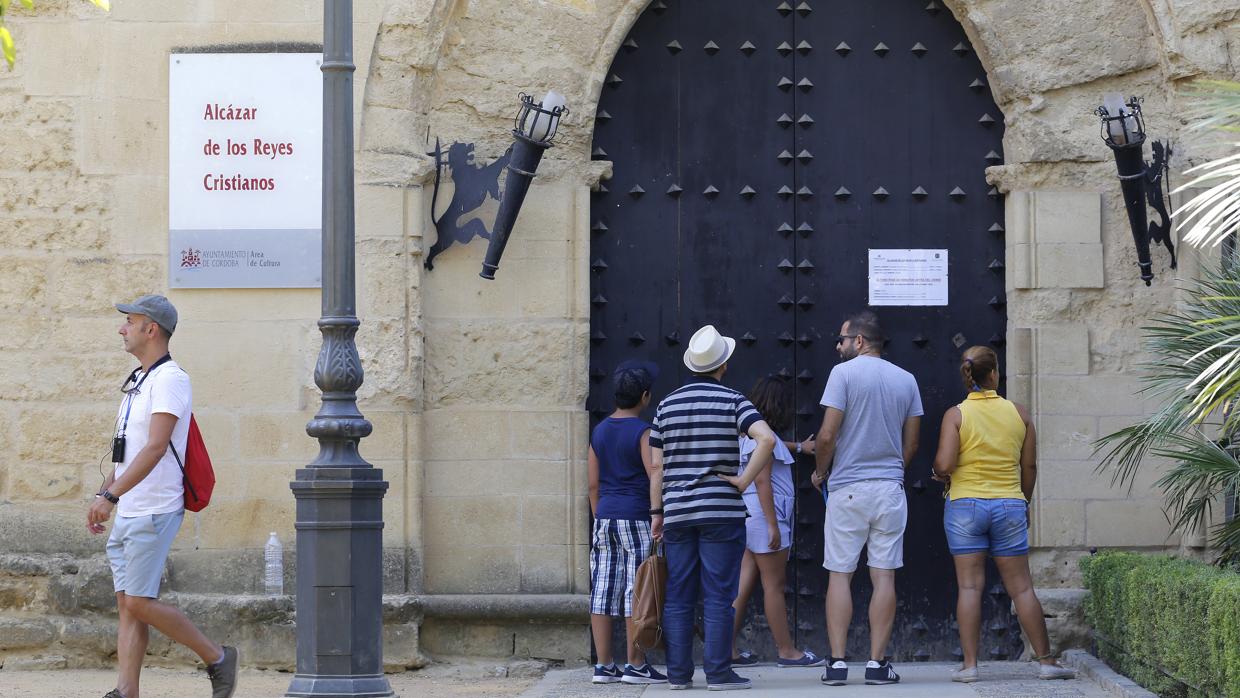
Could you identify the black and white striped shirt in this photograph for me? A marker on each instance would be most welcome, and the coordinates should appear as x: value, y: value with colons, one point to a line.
x: 696, y: 426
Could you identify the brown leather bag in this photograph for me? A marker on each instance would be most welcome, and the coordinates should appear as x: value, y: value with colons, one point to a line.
x: 649, y: 593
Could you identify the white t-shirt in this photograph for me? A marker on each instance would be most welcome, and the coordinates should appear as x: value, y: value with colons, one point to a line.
x: 162, y: 491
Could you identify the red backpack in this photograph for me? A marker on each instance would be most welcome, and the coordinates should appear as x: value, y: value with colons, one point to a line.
x: 196, y: 470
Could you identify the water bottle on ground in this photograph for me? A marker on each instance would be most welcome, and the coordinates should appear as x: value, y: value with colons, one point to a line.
x: 274, y: 556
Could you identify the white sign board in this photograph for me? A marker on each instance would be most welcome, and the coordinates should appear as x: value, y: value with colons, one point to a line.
x: 908, y: 277
x: 245, y: 145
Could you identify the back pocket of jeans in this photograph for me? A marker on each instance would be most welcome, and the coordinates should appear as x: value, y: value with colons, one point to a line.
x: 960, y: 517
x: 1015, y: 516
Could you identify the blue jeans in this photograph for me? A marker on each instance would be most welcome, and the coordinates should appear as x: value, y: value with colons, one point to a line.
x: 977, y: 525
x: 706, y: 557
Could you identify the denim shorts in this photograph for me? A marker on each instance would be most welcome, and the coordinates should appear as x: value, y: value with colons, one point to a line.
x: 138, y: 548
x: 977, y: 525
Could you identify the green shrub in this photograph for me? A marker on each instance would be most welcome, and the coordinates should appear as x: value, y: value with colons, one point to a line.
x: 1172, y: 625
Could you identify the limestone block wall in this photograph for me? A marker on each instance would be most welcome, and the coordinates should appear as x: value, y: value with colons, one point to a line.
x: 83, y: 170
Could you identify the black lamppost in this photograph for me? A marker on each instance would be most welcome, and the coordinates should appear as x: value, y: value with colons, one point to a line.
x: 1123, y: 130
x: 535, y: 128
x: 339, y: 495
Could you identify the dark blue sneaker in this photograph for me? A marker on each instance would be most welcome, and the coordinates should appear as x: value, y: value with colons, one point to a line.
x: 732, y: 682
x: 745, y: 658
x: 642, y: 674
x: 836, y: 673
x: 607, y: 674
x: 810, y: 659
x: 879, y: 673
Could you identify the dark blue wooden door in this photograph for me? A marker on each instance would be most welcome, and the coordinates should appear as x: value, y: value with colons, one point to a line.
x: 761, y: 149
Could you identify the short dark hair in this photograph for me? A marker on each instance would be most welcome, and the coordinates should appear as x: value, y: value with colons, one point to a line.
x: 865, y: 323
x: 163, y: 331
x: 631, y: 383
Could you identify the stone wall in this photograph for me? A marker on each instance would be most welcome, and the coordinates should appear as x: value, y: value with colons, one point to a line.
x: 476, y: 389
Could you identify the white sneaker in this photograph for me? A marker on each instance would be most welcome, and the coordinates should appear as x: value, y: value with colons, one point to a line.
x: 1050, y: 672
x: 963, y: 675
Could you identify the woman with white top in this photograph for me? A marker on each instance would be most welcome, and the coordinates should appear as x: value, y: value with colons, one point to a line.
x: 768, y: 530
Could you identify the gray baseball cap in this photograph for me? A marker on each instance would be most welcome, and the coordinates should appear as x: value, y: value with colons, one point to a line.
x: 155, y: 307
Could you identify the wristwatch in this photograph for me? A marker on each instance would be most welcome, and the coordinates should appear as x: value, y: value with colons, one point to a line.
x: 110, y: 497
x: 656, y: 512
x: 798, y: 448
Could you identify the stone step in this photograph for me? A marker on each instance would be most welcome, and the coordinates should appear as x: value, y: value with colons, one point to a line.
x: 263, y: 628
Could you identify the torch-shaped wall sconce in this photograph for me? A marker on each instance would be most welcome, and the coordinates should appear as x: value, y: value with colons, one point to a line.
x: 1123, y: 130
x: 536, y: 124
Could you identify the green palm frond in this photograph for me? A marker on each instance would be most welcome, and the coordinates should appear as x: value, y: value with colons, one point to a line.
x: 1193, y: 374
x: 1209, y: 217
x: 1202, y: 470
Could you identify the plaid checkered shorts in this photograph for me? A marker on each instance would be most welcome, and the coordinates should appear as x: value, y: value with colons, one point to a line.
x: 617, y: 547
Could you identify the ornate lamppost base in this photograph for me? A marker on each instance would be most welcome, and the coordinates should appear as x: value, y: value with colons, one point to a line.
x: 310, y: 686
x: 339, y: 583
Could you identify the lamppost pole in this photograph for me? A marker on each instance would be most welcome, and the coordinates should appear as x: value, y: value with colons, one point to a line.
x: 339, y: 495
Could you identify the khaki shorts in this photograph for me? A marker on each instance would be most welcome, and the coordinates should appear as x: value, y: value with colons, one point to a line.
x: 870, y: 514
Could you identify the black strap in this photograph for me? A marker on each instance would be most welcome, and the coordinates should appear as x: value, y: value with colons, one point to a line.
x: 133, y: 391
x: 184, y: 478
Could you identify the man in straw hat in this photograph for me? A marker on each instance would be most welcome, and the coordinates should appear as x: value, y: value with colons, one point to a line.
x: 696, y: 486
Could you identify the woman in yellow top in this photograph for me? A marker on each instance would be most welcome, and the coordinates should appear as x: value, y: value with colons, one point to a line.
x: 988, y: 457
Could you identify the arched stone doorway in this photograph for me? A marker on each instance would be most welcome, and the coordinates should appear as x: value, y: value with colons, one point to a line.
x: 761, y: 151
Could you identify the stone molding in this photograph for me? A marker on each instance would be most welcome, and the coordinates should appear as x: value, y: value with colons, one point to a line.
x: 1054, y: 239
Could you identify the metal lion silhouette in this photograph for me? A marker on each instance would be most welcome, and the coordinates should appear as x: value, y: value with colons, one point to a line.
x: 473, y: 184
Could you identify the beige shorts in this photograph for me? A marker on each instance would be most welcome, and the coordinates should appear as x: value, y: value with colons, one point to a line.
x: 870, y: 514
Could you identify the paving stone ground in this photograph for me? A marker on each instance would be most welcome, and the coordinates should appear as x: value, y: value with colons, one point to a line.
x: 483, y: 680
x: 1007, y: 679
x: 438, y: 681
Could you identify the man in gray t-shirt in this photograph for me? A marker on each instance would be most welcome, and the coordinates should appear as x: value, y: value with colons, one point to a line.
x: 869, y: 433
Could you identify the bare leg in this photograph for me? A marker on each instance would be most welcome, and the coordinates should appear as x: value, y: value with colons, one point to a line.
x: 749, y: 577
x: 772, y: 567
x: 600, y: 625
x: 636, y: 656
x: 172, y: 623
x: 132, y: 637
x: 1019, y: 584
x: 970, y: 580
x: 839, y: 611
x: 882, y: 611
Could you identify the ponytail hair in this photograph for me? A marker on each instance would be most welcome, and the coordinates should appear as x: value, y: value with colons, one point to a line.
x: 976, y: 365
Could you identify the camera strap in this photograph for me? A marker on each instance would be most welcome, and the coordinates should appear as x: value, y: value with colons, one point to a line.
x: 129, y: 394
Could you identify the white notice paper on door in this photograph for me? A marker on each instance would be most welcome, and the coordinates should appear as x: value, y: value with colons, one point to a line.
x: 908, y: 277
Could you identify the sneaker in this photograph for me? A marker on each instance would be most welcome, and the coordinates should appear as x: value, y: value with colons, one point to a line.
x: 672, y: 685
x: 745, y: 658
x: 836, y: 674
x: 963, y: 675
x: 223, y: 674
x: 809, y: 659
x: 114, y: 693
x: 732, y: 682
x: 607, y: 674
x: 642, y: 674
x: 1050, y: 672
x: 880, y: 673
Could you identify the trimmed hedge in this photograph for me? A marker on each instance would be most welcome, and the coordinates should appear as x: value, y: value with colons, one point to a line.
x: 1171, y: 625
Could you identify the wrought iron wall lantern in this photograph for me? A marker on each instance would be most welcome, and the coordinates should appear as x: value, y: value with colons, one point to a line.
x: 535, y: 127
x: 1123, y: 130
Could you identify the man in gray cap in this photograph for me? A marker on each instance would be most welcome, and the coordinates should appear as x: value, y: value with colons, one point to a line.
x: 146, y: 489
